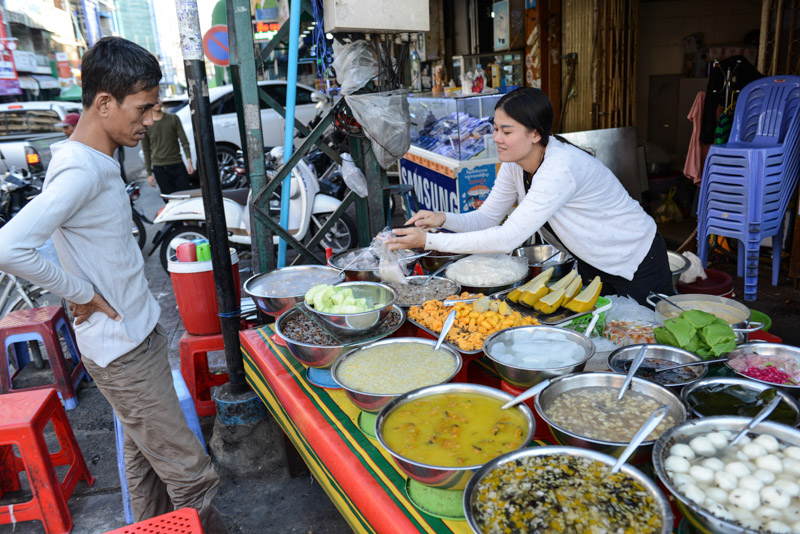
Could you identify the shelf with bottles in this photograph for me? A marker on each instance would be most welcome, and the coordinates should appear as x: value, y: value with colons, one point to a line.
x: 457, y: 127
x: 500, y: 68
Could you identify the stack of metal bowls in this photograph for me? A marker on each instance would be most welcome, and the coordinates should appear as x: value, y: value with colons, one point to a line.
x: 453, y: 478
x: 471, y: 493
x: 277, y: 291
x: 745, y: 383
x: 347, y: 324
x: 435, y: 260
x: 697, y: 515
x: 523, y: 377
x: 536, y: 254
x: 678, y: 264
x: 659, y: 352
x: 323, y: 356
x: 374, y: 402
x: 580, y: 381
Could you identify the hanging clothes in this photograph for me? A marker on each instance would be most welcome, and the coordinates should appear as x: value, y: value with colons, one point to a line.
x: 741, y: 72
x: 693, y: 168
x: 724, y: 125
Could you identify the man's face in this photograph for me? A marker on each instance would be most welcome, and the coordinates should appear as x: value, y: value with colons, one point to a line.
x: 128, y: 121
x: 68, y: 129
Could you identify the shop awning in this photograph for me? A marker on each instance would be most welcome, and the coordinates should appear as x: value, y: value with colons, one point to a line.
x: 72, y: 93
x: 27, y: 82
x: 46, y: 82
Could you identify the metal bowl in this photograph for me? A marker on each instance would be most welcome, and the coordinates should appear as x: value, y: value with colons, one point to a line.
x: 678, y: 264
x: 374, y: 402
x: 788, y: 400
x: 522, y: 377
x: 360, y: 323
x: 416, y: 279
x: 351, y: 273
x: 269, y: 293
x: 610, y: 380
x: 768, y: 349
x: 661, y: 352
x: 536, y: 254
x: 649, y: 485
x: 323, y: 356
x: 435, y: 260
x: 682, y: 433
x: 437, y: 476
x: 735, y: 313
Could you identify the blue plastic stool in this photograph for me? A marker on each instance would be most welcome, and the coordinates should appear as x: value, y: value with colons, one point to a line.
x: 187, y: 405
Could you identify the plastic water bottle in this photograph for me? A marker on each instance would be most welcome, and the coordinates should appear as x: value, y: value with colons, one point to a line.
x: 416, y: 75
x: 204, y: 252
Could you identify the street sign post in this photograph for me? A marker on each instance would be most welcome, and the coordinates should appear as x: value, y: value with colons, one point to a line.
x: 215, y: 45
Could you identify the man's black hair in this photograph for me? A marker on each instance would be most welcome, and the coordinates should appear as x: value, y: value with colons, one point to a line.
x: 117, y: 66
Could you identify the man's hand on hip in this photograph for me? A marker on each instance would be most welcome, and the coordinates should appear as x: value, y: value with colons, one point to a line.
x: 82, y: 312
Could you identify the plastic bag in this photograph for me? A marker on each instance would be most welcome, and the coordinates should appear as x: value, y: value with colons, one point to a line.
x: 669, y: 211
x: 386, y: 122
x: 353, y: 176
x: 628, y: 322
x: 393, y: 263
x: 355, y: 65
x: 695, y: 270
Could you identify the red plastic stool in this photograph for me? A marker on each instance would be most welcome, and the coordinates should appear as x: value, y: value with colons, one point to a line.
x: 42, y: 324
x: 23, y: 417
x: 183, y: 521
x: 194, y: 368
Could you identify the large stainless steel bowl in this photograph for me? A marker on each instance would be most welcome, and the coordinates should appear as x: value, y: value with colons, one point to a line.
x: 438, y: 476
x: 379, y: 294
x: 354, y: 274
x: 678, y: 264
x: 526, y: 377
x: 735, y: 313
x: 664, y: 510
x: 435, y: 260
x: 660, y: 352
x: 417, y: 280
x: 682, y: 433
x: 536, y: 254
x: 374, y: 402
x: 578, y: 381
x: 277, y: 291
x: 757, y: 387
x: 768, y: 349
x: 323, y: 356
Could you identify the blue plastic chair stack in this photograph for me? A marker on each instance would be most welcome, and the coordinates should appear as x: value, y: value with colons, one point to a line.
x: 748, y: 182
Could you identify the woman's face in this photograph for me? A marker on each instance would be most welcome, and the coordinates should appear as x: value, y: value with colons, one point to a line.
x: 514, y: 141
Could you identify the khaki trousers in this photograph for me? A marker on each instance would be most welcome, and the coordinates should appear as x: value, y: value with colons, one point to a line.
x: 166, y: 466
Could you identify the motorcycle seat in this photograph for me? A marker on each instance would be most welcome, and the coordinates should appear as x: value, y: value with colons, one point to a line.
x: 237, y: 195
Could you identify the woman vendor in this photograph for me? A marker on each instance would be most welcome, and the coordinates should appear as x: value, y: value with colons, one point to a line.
x: 552, y: 182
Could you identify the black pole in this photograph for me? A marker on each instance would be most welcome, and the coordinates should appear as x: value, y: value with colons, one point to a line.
x: 193, y: 64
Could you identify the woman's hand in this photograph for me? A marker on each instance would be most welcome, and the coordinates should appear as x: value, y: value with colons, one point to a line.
x: 427, y: 219
x: 408, y: 238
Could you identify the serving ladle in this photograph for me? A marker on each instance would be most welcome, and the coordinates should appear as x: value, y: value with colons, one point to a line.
x: 448, y: 323
x: 692, y: 364
x: 641, y: 435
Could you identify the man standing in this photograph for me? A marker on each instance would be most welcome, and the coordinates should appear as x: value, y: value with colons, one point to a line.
x: 85, y: 208
x: 69, y: 123
x: 162, y: 155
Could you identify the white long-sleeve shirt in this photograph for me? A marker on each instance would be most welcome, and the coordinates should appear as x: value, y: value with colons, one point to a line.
x: 585, y: 204
x: 85, y: 207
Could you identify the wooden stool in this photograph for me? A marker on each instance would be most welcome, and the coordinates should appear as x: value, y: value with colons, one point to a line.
x: 194, y: 368
x: 23, y: 417
x: 41, y: 325
x: 183, y: 521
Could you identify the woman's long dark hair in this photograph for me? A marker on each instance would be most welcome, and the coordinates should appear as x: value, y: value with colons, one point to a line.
x: 532, y: 108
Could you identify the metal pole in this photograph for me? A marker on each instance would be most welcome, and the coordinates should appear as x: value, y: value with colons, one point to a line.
x: 192, y: 48
x: 288, y: 139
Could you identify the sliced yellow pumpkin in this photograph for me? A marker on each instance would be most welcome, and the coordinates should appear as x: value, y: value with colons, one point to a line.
x: 504, y: 309
x: 572, y: 289
x: 550, y: 302
x: 537, y: 288
x: 564, y: 281
x: 586, y: 299
x: 515, y: 294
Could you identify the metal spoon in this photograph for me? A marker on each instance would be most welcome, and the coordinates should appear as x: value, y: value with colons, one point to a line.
x: 666, y: 299
x: 530, y: 392
x: 451, y: 317
x: 692, y: 364
x: 437, y: 271
x: 540, y: 263
x: 640, y: 436
x: 763, y: 414
x: 637, y: 361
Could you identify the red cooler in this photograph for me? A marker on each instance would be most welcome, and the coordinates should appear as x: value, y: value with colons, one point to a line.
x: 193, y: 283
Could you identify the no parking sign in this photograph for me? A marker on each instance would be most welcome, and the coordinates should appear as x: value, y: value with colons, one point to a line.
x: 215, y: 45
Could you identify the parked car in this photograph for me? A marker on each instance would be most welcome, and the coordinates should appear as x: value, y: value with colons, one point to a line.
x: 27, y: 129
x: 226, y: 125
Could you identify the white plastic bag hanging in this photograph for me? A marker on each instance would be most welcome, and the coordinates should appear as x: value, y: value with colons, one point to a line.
x: 386, y: 122
x: 353, y: 177
x: 355, y: 65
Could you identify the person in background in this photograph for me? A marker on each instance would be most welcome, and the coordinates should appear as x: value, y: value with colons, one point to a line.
x: 162, y: 155
x: 69, y: 123
x: 84, y: 207
x: 544, y: 181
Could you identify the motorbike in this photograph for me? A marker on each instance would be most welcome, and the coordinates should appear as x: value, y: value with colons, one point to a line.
x: 309, y: 210
x: 138, y: 230
x: 17, y: 188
